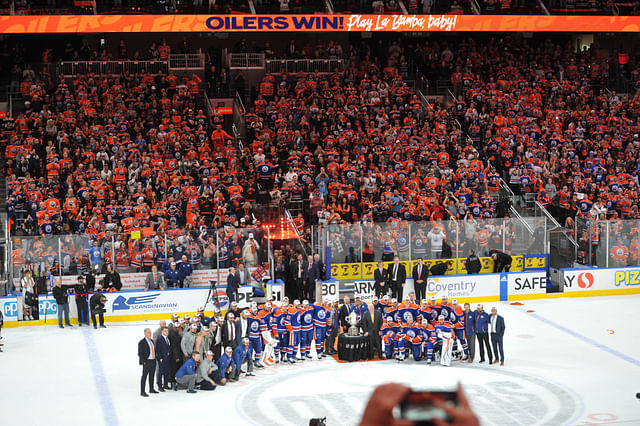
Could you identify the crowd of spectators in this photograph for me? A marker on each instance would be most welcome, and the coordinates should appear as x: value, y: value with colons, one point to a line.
x: 103, y: 155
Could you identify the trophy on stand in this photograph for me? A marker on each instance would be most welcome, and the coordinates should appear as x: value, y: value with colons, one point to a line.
x: 353, y: 330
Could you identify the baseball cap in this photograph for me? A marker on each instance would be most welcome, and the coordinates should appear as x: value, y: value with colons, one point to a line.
x: 432, y: 298
x: 209, y: 353
x: 174, y: 316
x: 228, y: 349
x: 180, y: 321
x: 479, y: 306
x: 194, y: 326
x: 231, y: 316
x: 245, y: 340
x: 375, y: 298
x: 250, y: 235
x: 234, y: 303
x: 454, y: 301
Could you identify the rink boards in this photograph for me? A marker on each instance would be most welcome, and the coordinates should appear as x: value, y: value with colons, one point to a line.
x: 482, y: 288
x: 136, y: 305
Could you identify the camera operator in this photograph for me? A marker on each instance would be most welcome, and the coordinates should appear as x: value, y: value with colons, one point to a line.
x: 80, y: 289
x: 62, y: 299
x: 97, y: 306
x: 112, y: 281
x: 90, y: 279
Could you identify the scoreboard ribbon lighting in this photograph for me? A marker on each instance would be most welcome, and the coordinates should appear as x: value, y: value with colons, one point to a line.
x: 41, y: 24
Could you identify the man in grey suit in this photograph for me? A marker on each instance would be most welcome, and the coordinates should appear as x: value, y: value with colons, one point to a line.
x: 497, y: 334
x: 371, y: 324
x: 242, y: 275
x: 154, y: 280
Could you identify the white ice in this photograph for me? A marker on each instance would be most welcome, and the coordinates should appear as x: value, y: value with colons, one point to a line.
x: 552, y: 375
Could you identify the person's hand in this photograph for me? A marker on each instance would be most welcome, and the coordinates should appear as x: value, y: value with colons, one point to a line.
x: 402, y: 284
x: 366, y: 334
x: 461, y: 414
x: 379, y: 410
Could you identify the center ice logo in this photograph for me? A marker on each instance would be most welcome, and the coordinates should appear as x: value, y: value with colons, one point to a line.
x: 124, y: 303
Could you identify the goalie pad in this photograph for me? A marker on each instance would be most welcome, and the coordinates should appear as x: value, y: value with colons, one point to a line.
x: 447, y: 346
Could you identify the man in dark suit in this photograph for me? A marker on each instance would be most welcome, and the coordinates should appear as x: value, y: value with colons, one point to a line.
x: 320, y: 265
x: 397, y: 277
x: 333, y: 329
x: 380, y: 277
x: 232, y: 285
x: 294, y: 291
x: 147, y: 358
x: 497, y: 334
x: 230, y: 332
x: 371, y: 324
x: 420, y: 274
x: 310, y: 276
x: 163, y: 355
x: 345, y: 311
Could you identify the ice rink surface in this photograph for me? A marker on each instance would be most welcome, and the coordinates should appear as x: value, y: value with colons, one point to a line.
x: 571, y: 361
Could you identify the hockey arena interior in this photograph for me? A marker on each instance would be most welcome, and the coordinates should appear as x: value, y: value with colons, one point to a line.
x: 328, y: 212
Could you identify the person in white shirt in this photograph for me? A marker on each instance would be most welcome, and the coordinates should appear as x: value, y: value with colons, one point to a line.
x: 436, y: 237
x: 497, y: 334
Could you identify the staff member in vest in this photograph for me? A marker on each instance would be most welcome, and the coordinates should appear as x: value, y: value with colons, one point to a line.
x: 497, y: 333
x: 420, y: 274
x: 470, y: 330
x: 482, y: 331
x: 397, y: 277
x: 147, y: 358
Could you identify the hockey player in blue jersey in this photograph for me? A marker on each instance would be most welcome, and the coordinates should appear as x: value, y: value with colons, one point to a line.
x: 435, y: 309
x: 429, y: 339
x: 280, y: 329
x: 306, y: 329
x: 292, y: 322
x: 388, y: 333
x: 321, y: 320
x: 255, y: 327
x: 408, y: 310
x: 412, y: 339
x: 457, y: 320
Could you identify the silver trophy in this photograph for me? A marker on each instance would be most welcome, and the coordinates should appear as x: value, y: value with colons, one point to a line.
x: 353, y: 330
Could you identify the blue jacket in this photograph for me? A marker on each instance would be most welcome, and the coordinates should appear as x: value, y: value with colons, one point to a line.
x: 223, y: 363
x: 189, y: 367
x: 162, y: 348
x: 185, y: 269
x: 482, y: 322
x: 172, y: 276
x: 470, y: 323
x: 239, y: 355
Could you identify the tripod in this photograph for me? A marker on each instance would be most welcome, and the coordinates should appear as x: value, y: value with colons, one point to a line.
x: 212, y: 296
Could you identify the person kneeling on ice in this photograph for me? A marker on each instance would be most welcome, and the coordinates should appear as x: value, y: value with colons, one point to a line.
x: 208, y: 375
x: 240, y: 355
x: 444, y: 331
x: 388, y: 333
x: 412, y: 339
x: 227, y: 366
x: 429, y: 339
x: 186, y: 375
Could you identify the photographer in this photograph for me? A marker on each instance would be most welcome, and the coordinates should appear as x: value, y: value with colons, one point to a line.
x: 97, y: 306
x: 62, y: 299
x: 112, y: 281
x: 472, y: 263
x: 81, y: 292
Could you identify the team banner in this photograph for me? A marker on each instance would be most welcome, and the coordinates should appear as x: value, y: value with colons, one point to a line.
x: 354, y: 271
x: 34, y: 24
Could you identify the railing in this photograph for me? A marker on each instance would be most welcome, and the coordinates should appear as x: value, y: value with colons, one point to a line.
x: 239, y: 121
x: 246, y: 60
x: 608, y: 243
x: 71, y: 68
x: 294, y: 66
x: 189, y: 61
x: 367, y: 243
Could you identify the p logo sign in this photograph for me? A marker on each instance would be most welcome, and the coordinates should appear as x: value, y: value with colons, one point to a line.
x: 48, y: 307
x: 10, y: 309
x: 585, y: 280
